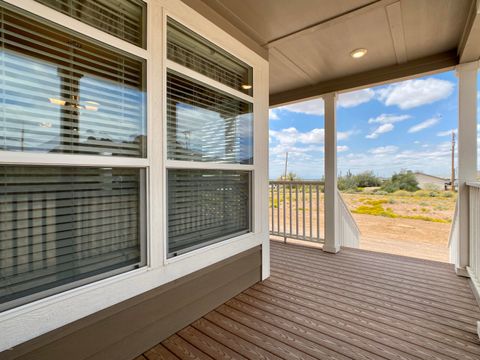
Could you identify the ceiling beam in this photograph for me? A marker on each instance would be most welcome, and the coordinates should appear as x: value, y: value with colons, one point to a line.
x: 340, y: 18
x: 469, y: 47
x: 395, y: 22
x: 423, y: 66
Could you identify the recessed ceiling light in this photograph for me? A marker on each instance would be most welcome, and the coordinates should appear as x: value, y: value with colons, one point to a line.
x: 246, y: 86
x: 358, y: 53
x: 57, y: 101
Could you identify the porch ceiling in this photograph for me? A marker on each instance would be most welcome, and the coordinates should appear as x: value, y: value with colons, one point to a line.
x: 309, y: 41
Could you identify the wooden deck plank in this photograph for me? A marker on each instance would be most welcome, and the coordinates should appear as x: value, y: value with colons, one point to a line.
x: 159, y: 352
x: 422, y: 327
x: 355, y: 304
x: 407, y: 269
x: 426, y: 305
x: 288, y: 333
x: 257, y: 337
x: 376, y: 274
x: 183, y: 349
x: 208, y: 345
x: 446, y: 297
x: 238, y: 344
x: 399, y: 339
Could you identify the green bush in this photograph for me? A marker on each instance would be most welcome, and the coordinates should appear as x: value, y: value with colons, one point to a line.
x: 402, y: 193
x: 358, y: 182
x: 404, y: 180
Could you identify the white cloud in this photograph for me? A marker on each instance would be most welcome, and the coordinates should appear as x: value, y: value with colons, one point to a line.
x: 273, y: 115
x: 446, y: 132
x: 317, y: 106
x: 355, y: 98
x: 412, y: 93
x: 342, y: 148
x: 423, y: 125
x: 310, y: 107
x: 384, y: 128
x: 388, y: 119
x: 382, y: 150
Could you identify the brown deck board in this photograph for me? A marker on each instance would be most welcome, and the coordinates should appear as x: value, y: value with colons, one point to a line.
x: 356, y: 304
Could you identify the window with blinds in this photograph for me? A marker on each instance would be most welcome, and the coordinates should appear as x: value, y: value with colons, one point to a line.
x: 194, y: 52
x: 124, y: 19
x: 63, y: 94
x: 204, y: 124
x: 206, y: 206
x: 62, y: 225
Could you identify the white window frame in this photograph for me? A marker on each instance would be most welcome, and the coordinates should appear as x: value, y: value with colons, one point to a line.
x: 28, y: 321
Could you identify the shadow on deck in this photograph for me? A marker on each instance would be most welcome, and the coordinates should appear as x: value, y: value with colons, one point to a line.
x: 356, y: 304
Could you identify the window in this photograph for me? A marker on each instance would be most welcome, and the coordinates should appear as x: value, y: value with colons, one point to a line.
x: 206, y: 206
x: 59, y: 225
x: 194, y: 52
x: 207, y: 122
x: 204, y: 124
x: 64, y: 94
x: 124, y: 19
x: 61, y: 93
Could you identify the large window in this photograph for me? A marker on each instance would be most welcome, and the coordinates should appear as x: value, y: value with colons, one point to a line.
x: 209, y: 120
x: 63, y: 93
x: 59, y: 225
x: 124, y: 19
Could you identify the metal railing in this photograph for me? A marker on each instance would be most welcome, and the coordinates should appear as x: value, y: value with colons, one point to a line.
x: 296, y: 210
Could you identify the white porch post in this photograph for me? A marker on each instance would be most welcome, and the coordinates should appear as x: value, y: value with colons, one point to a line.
x: 332, y: 243
x: 467, y: 155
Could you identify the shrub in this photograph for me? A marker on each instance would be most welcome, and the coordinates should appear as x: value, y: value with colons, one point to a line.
x: 404, y: 180
x: 426, y: 193
x: 402, y: 193
x: 358, y: 182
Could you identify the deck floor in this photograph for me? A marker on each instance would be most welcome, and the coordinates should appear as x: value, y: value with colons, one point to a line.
x: 356, y: 304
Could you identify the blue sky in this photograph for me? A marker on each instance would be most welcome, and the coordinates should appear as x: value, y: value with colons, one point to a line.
x: 404, y: 125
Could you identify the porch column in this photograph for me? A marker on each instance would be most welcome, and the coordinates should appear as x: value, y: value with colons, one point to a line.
x: 332, y: 243
x: 467, y: 155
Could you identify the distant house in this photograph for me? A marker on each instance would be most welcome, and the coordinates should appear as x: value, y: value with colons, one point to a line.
x: 430, y: 182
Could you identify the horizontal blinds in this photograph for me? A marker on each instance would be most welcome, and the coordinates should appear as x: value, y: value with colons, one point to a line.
x: 206, y: 125
x: 121, y: 18
x: 59, y: 225
x: 206, y: 206
x: 62, y: 94
x: 194, y: 52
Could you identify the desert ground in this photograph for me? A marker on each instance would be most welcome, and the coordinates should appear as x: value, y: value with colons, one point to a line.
x: 416, y: 225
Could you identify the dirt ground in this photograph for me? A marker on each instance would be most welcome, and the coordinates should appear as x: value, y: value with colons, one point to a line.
x: 401, y: 236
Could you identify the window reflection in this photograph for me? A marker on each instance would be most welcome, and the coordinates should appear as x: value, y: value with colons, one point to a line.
x: 207, y: 125
x: 61, y: 94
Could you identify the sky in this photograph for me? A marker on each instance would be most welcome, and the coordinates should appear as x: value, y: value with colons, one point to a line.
x: 400, y: 126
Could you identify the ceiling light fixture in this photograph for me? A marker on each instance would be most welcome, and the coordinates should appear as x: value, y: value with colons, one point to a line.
x: 57, y: 101
x: 358, y: 53
x: 246, y: 86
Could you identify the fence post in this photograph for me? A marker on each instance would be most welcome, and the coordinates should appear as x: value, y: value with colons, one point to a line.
x: 332, y: 242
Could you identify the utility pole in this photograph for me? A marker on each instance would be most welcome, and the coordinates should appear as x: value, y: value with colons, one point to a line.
x: 286, y: 166
x: 453, y: 162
